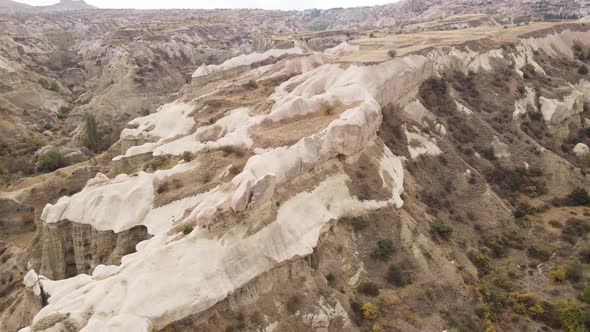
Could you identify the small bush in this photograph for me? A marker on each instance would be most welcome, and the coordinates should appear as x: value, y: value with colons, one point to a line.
x: 441, y: 229
x: 583, y: 70
x: 578, y: 196
x: 49, y: 85
x: 91, y: 138
x: 229, y: 150
x: 536, y: 116
x: 395, y: 276
x: 520, y: 213
x: 357, y: 309
x: 369, y: 288
x: 370, y: 312
x: 481, y: 261
x: 187, y: 229
x: 206, y: 177
x: 392, y: 53
x: 573, y: 317
x: 251, y: 85
x: 557, y: 276
x: 574, y: 272
x: 330, y: 278
x: 156, y: 164
x: 50, y: 161
x: 585, y: 254
x: 539, y: 252
x: 576, y: 227
x: 489, y: 153
x: 384, y: 250
x: 293, y: 304
x: 357, y: 223
x: 163, y: 187
x: 585, y: 294
x: 187, y: 156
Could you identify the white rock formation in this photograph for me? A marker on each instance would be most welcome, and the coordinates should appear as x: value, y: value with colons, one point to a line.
x: 521, y: 105
x: 419, y: 144
x: 244, y: 60
x: 581, y: 150
x: 115, y: 297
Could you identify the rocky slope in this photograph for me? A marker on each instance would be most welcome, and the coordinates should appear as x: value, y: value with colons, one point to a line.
x: 426, y: 192
x: 115, y: 65
x: 423, y: 177
x: 12, y: 5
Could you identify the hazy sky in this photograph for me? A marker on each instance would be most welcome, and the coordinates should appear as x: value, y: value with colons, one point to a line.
x: 267, y: 4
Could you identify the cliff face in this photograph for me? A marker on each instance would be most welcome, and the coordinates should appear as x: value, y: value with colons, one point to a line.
x: 69, y: 249
x: 296, y: 192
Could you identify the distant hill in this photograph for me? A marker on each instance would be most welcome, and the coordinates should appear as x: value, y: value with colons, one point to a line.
x: 69, y: 5
x: 9, y: 5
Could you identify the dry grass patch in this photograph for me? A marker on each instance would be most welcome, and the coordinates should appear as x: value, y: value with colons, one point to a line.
x: 209, y: 172
x: 290, y: 131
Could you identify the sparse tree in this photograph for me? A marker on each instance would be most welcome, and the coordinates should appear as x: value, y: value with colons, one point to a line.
x: 92, y: 140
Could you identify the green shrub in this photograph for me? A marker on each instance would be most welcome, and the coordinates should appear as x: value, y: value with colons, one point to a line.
x: 441, y: 229
x: 585, y: 294
x: 251, y: 85
x: 49, y: 84
x: 519, y: 180
x: 578, y: 196
x: 583, y: 70
x: 187, y: 156
x: 520, y: 213
x: 3, y: 147
x: 539, y: 252
x: 489, y: 153
x: 392, y: 53
x: 536, y: 116
x: 574, y: 272
x: 293, y: 304
x: 92, y: 138
x: 370, y: 312
x: 357, y: 223
x: 396, y: 277
x: 369, y: 288
x: 187, y: 229
x: 557, y: 276
x: 481, y: 261
x: 206, y: 177
x: 585, y: 254
x: 330, y: 277
x: 50, y: 161
x: 576, y: 227
x: 573, y: 317
x: 384, y: 250
x: 63, y: 112
x: 155, y: 164
x: 44, y: 83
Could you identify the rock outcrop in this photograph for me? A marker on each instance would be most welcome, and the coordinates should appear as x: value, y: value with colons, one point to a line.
x: 69, y: 249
